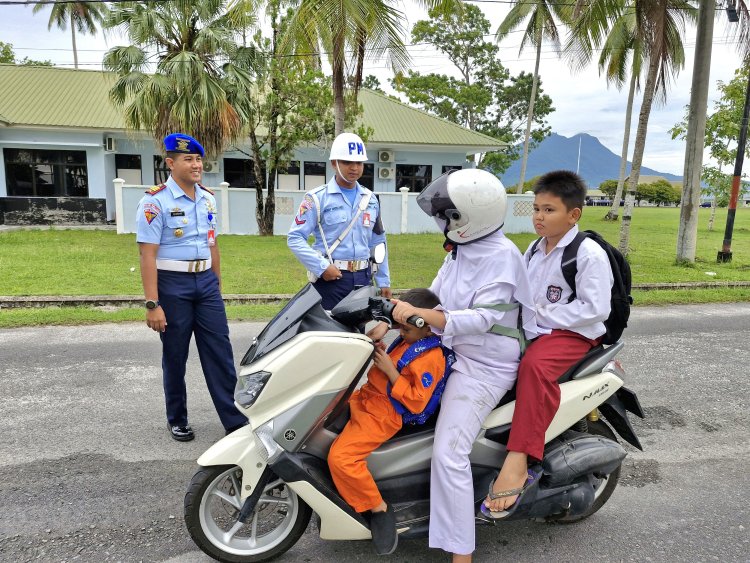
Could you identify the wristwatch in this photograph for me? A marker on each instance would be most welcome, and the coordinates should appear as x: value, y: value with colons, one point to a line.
x: 151, y: 304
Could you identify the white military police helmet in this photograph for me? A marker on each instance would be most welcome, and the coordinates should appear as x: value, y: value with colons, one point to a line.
x: 467, y: 204
x: 348, y: 146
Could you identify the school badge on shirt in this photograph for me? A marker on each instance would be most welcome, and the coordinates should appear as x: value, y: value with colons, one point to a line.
x: 554, y: 293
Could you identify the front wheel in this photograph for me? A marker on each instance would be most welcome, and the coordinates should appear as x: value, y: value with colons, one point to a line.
x: 212, y: 508
x: 605, y: 485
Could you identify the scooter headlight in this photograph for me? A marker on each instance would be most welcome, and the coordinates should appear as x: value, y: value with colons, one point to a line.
x: 249, y: 387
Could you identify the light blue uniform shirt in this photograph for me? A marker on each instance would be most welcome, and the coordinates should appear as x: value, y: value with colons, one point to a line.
x: 176, y: 223
x: 336, y: 214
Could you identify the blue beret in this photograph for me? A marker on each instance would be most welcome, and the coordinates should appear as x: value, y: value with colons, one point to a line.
x: 178, y: 142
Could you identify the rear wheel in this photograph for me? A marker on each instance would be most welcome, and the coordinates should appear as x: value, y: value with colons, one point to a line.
x: 605, y: 484
x: 212, y: 508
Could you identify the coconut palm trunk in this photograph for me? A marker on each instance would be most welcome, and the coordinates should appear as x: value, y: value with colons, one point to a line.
x: 530, y: 117
x: 339, y: 109
x: 614, y: 211
x: 640, y: 146
x: 75, y: 48
x: 687, y: 233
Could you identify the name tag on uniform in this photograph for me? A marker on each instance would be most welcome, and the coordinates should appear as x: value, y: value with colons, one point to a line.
x: 177, y: 212
x: 366, y: 219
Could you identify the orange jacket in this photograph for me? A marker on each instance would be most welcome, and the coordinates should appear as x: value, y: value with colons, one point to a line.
x: 417, y: 382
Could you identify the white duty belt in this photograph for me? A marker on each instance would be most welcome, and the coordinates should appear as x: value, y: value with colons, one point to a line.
x: 189, y: 266
x: 351, y: 265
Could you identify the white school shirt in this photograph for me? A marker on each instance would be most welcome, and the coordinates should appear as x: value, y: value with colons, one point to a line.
x: 591, y: 307
x: 487, y: 271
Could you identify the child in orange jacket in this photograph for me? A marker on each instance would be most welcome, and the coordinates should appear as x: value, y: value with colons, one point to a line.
x: 402, y: 381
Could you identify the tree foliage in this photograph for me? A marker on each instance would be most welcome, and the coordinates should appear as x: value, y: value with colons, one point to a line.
x: 197, y: 61
x: 609, y: 188
x: 290, y: 104
x: 723, y: 125
x: 717, y: 185
x: 348, y: 31
x: 484, y: 96
x: 8, y: 56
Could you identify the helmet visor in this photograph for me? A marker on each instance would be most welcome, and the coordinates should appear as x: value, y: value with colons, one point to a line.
x: 434, y: 199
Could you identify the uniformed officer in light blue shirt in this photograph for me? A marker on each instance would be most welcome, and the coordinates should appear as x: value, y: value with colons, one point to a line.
x: 345, y: 218
x: 180, y: 269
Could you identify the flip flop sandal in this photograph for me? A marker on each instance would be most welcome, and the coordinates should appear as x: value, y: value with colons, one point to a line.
x: 487, y: 513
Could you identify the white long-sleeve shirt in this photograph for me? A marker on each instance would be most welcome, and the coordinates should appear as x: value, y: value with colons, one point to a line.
x: 488, y: 271
x: 591, y: 307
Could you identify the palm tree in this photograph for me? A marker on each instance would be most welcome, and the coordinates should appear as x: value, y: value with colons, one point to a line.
x: 350, y: 31
x: 621, y: 54
x: 660, y: 25
x: 191, y: 43
x: 339, y: 27
x: 543, y: 17
x: 82, y: 16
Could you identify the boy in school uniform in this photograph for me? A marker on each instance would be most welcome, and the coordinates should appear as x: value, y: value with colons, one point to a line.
x: 568, y: 330
x: 402, y: 380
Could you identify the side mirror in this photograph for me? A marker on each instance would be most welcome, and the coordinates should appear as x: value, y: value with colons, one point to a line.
x: 378, y: 253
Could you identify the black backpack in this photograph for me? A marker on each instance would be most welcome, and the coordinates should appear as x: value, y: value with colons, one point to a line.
x: 620, y: 300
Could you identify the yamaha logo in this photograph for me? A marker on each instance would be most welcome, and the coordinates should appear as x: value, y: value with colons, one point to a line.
x: 290, y: 435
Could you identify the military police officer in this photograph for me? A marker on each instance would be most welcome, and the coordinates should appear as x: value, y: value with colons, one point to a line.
x: 344, y: 218
x: 180, y: 269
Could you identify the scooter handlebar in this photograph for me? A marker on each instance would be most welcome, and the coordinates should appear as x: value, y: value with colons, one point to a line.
x: 414, y: 320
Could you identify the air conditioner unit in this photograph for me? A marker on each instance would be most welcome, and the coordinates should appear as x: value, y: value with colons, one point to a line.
x: 109, y: 144
x: 210, y: 165
x: 385, y: 156
x: 386, y: 173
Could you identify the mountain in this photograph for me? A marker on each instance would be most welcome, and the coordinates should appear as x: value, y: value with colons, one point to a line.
x: 597, y: 163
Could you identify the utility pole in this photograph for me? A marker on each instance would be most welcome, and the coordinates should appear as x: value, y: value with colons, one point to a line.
x: 725, y: 254
x: 696, y: 134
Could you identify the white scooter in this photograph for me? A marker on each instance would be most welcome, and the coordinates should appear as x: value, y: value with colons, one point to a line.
x: 256, y: 489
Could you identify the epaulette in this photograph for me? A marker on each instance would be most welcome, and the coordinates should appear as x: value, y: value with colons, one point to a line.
x: 156, y: 189
x: 205, y: 188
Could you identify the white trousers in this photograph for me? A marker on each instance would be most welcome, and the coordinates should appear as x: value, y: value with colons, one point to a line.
x: 465, y: 404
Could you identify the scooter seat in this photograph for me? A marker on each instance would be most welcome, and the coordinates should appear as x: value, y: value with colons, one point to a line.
x: 510, y: 396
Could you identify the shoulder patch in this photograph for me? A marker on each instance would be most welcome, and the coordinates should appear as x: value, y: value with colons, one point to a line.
x: 206, y: 189
x: 156, y: 189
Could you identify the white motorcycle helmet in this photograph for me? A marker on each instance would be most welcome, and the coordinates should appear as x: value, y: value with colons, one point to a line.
x: 467, y: 204
x: 348, y: 146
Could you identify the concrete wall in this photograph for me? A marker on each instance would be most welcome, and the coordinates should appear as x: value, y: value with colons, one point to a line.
x: 236, y: 211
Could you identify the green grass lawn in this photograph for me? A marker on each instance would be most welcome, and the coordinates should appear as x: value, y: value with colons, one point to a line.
x: 71, y: 262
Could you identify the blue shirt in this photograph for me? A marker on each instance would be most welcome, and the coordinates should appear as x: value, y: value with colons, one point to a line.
x: 179, y: 225
x: 335, y: 215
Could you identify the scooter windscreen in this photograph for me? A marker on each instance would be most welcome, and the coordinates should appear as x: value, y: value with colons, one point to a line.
x: 303, y: 313
x: 354, y: 309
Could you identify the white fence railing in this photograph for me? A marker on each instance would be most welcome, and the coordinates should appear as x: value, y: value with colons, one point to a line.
x: 236, y: 210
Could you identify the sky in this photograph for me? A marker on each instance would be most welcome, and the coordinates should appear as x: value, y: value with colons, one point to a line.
x: 583, y: 102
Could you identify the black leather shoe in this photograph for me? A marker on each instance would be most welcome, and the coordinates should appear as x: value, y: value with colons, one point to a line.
x: 181, y: 433
x: 383, y: 529
x: 233, y: 428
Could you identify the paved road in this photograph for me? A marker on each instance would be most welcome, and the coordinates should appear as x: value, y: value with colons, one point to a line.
x: 88, y: 472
